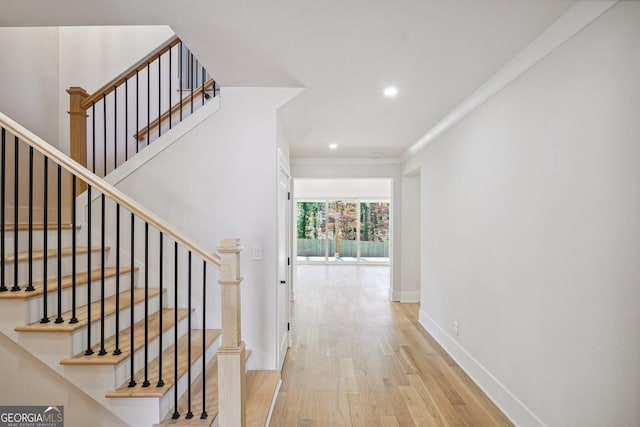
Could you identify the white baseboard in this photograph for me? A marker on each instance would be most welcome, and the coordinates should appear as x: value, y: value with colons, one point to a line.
x: 273, y: 402
x: 405, y: 296
x: 509, y: 404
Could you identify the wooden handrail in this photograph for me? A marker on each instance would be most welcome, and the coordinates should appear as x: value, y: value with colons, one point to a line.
x: 130, y: 72
x: 175, y: 109
x: 107, y: 189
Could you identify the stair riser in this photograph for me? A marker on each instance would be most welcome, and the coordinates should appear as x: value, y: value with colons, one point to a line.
x: 35, y: 306
x: 99, y: 379
x: 52, y: 347
x: 79, y: 338
x: 38, y: 240
x: 138, y: 411
x: 95, y: 380
x: 52, y: 268
x: 123, y: 370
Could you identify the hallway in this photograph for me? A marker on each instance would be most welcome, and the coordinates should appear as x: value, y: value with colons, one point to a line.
x: 359, y: 360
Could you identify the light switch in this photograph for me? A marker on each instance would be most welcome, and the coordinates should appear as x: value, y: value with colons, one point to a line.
x: 257, y: 252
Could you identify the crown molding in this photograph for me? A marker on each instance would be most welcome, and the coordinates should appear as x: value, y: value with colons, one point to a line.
x: 579, y: 16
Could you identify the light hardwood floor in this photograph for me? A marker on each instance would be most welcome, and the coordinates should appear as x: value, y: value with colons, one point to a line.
x: 360, y: 360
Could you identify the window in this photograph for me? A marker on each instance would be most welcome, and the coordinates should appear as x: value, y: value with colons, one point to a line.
x: 343, y: 231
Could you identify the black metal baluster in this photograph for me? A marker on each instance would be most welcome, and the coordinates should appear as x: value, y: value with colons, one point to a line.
x: 191, y: 80
x: 30, y: 287
x: 93, y: 137
x: 74, y: 319
x: 89, y: 351
x: 115, y: 127
x: 59, y: 319
x: 137, y: 139
x: 15, y: 287
x: 148, y: 103
x: 204, y: 341
x: 170, y: 104
x: 3, y: 178
x: 189, y: 413
x: 196, y: 67
x: 126, y: 120
x: 104, y: 132
x: 45, y: 244
x: 117, y: 350
x: 102, y: 351
x: 176, y: 414
x: 132, y: 382
x: 160, y: 284
x: 146, y: 382
x: 159, y: 98
x: 180, y: 76
x: 203, y: 81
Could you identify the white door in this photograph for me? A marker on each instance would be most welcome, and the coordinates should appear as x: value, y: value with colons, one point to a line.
x: 284, y: 226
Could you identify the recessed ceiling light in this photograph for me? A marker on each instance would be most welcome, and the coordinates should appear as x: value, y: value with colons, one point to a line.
x: 390, y: 91
x: 333, y: 146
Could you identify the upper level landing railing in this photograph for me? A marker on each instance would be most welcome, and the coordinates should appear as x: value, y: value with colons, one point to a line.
x: 136, y: 107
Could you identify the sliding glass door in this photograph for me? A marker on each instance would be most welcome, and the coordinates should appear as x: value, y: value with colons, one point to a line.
x: 374, y: 231
x: 337, y: 231
x: 311, y: 230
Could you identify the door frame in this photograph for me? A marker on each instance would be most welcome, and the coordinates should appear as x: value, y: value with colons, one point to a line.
x: 282, y: 170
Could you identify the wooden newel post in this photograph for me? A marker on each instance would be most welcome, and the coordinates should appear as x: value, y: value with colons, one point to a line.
x: 78, y: 130
x: 231, y: 354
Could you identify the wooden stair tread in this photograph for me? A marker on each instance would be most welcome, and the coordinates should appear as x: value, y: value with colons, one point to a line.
x: 24, y: 256
x: 81, y: 313
x: 125, y: 340
x: 167, y: 366
x: 196, y: 400
x: 52, y: 284
x: 261, y: 386
x: 38, y: 227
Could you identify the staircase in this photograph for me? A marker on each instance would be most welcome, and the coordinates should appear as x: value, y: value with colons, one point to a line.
x: 111, y: 297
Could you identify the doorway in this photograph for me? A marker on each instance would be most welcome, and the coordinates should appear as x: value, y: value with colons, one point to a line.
x: 342, y: 221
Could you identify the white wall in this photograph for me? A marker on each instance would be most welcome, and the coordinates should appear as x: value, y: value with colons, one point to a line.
x: 29, y: 83
x: 410, y: 239
x: 28, y: 381
x: 29, y: 95
x: 531, y: 234
x: 219, y: 181
x: 362, y: 168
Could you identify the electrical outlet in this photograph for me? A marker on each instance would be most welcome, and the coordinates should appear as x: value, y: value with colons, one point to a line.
x: 456, y: 328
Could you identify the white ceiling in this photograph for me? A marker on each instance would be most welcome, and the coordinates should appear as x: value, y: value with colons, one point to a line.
x: 344, y: 53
